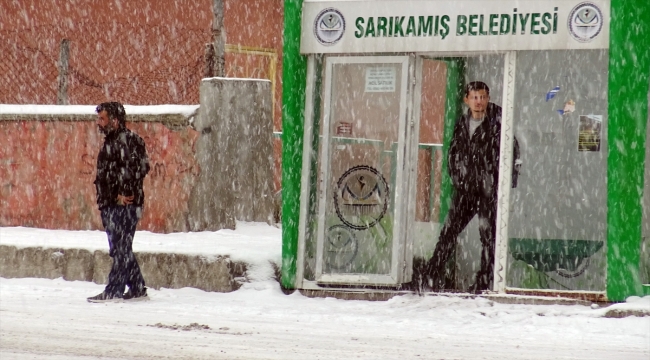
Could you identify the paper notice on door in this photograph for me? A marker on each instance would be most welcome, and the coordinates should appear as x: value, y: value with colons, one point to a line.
x: 380, y: 79
x: 589, y: 132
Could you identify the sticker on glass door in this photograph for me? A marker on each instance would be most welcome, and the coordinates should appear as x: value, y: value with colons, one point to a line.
x: 361, y: 199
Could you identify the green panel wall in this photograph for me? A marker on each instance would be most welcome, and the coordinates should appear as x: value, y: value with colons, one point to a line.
x: 293, y: 101
x: 629, y: 68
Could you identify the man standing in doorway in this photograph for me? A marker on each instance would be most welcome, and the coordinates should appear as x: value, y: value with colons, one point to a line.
x: 473, y: 164
x: 122, y: 164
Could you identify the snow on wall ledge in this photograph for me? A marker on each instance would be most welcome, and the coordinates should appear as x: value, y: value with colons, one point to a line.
x: 34, y: 109
x: 172, y: 116
x: 48, y: 165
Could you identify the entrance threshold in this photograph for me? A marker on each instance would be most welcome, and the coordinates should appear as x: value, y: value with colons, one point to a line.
x: 548, y: 298
x: 590, y: 296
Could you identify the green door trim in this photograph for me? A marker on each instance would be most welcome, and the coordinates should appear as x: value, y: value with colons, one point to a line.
x: 453, y: 110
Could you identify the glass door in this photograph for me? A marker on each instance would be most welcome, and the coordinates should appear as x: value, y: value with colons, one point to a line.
x: 362, y: 178
x: 557, y: 230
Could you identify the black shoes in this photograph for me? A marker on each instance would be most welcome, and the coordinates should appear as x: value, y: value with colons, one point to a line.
x: 480, y: 285
x: 104, y: 297
x: 425, y: 278
x: 136, y: 296
x: 128, y: 296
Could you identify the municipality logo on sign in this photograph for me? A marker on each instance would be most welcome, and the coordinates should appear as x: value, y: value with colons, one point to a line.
x: 329, y: 26
x: 585, y: 22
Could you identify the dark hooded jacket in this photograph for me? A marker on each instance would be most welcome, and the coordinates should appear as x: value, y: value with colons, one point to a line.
x: 474, y: 163
x: 122, y: 164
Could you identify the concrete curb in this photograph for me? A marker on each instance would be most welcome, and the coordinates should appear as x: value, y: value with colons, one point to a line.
x: 621, y: 313
x: 172, y: 271
x: 216, y: 274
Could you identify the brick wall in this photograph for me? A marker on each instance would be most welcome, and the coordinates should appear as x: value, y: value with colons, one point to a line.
x: 142, y: 52
x: 138, y: 52
x: 48, y: 169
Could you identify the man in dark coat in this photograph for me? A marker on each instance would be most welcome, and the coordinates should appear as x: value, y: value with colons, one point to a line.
x: 122, y: 164
x: 474, y: 169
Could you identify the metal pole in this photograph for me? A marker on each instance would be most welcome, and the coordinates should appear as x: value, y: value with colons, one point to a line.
x: 64, y: 56
x: 505, y: 173
x: 306, y: 169
x: 209, y: 56
x: 218, y: 39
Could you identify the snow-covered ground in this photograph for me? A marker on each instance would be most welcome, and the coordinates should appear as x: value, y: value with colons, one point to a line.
x: 50, y: 319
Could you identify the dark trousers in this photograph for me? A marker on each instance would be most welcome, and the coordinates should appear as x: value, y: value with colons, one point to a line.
x: 463, y: 208
x: 120, y: 223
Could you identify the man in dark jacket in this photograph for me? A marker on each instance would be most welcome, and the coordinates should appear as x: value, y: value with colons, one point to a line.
x: 474, y: 169
x: 122, y: 164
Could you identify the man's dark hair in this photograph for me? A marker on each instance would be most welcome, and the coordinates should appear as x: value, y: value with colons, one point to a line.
x: 114, y: 110
x: 476, y: 86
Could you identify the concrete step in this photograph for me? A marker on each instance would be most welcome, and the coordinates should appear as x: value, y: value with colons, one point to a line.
x: 172, y: 271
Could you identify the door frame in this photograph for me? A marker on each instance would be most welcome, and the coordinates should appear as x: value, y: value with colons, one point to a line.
x: 405, y: 179
x: 453, y: 108
x: 398, y: 237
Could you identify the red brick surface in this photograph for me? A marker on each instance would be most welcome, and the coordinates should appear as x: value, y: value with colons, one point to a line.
x: 48, y: 169
x: 138, y: 52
